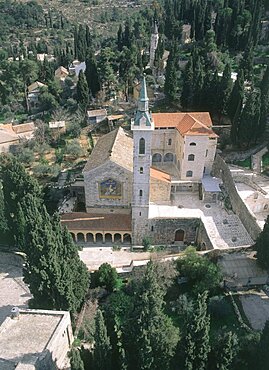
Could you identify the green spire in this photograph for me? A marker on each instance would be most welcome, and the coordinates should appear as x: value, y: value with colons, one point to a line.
x: 143, y: 97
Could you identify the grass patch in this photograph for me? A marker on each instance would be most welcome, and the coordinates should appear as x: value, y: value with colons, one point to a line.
x: 246, y: 163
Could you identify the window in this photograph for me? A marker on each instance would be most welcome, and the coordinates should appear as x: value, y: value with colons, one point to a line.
x: 169, y: 141
x: 152, y: 228
x: 191, y: 157
x: 142, y: 146
x: 169, y: 157
x: 206, y: 152
x: 139, y: 213
x: 140, y: 193
x: 141, y: 170
x: 156, y: 158
x: 192, y: 144
x: 189, y: 174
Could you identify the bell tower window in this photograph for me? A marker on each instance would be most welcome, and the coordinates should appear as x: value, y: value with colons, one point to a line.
x: 142, y: 146
x: 140, y: 193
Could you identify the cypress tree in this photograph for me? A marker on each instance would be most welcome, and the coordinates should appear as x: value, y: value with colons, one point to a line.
x: 188, y: 86
x: 262, y: 246
x: 56, y: 276
x: 82, y: 91
x: 236, y: 123
x: 171, y: 74
x: 151, y: 336
x: 225, y: 89
x: 76, y: 361
x: 3, y: 220
x: 264, y: 101
x: 91, y: 73
x: 237, y: 95
x: 263, y: 353
x: 196, y: 339
x: 247, y: 62
x: 102, y: 347
x: 227, y: 350
x: 198, y: 83
x: 120, y: 38
x: 250, y: 117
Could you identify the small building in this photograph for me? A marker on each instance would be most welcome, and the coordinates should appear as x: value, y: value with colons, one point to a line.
x: 25, y: 131
x: 61, y: 73
x: 76, y: 66
x: 42, y: 56
x: 8, y: 138
x: 35, y: 339
x: 96, y: 116
x: 33, y: 92
x: 210, y: 189
x: 57, y: 126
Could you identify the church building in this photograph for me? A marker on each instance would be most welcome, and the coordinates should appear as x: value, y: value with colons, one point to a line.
x: 130, y: 172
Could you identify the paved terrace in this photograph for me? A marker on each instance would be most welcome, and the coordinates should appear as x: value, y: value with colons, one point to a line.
x: 249, y: 185
x: 224, y: 229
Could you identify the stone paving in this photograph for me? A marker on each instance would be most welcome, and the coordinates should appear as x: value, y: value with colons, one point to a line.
x: 225, y: 230
x: 13, y: 291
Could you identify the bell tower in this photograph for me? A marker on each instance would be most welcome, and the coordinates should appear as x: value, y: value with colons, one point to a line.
x: 142, y: 127
x: 153, y: 45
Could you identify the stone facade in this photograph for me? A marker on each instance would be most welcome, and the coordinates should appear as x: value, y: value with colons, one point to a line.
x: 92, y: 182
x: 162, y: 231
x: 160, y: 191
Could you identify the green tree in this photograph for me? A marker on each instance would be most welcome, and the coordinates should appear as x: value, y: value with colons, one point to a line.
x: 149, y: 328
x: 262, y: 246
x: 16, y: 184
x: 202, y: 274
x: 102, y: 347
x: 262, y: 353
x: 237, y: 95
x: 196, y: 339
x: 3, y: 219
x: 82, y: 91
x: 92, y: 74
x: 188, y: 86
x: 227, y: 350
x: 225, y: 89
x: 250, y: 117
x: 75, y: 360
x: 56, y: 276
x: 264, y: 101
x: 171, y: 74
x: 107, y: 277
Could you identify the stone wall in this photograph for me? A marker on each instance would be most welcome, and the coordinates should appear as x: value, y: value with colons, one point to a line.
x: 162, y: 231
x: 220, y: 169
x: 159, y: 190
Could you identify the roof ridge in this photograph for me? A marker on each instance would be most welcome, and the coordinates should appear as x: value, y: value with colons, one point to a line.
x: 117, y: 131
x: 157, y: 169
x: 198, y: 121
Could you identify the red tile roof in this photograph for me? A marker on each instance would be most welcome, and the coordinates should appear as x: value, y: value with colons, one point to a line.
x: 197, y: 123
x: 97, y: 222
x: 159, y: 175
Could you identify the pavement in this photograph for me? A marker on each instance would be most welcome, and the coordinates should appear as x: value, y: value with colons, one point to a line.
x: 13, y: 291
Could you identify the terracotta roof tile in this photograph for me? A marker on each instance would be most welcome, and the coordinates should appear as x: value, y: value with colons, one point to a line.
x: 197, y: 123
x: 159, y: 175
x: 97, y: 222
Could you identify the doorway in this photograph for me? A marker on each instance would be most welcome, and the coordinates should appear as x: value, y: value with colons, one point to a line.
x: 179, y: 236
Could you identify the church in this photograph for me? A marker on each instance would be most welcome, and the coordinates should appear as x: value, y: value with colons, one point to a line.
x: 129, y: 173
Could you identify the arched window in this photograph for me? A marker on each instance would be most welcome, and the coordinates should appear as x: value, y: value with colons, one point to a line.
x: 156, y: 158
x: 192, y: 144
x: 140, y: 193
x: 169, y: 157
x: 189, y: 174
x: 142, y: 146
x: 169, y: 141
x: 191, y: 157
x: 141, y: 170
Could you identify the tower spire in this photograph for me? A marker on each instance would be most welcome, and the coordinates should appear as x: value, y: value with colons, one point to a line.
x: 143, y: 105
